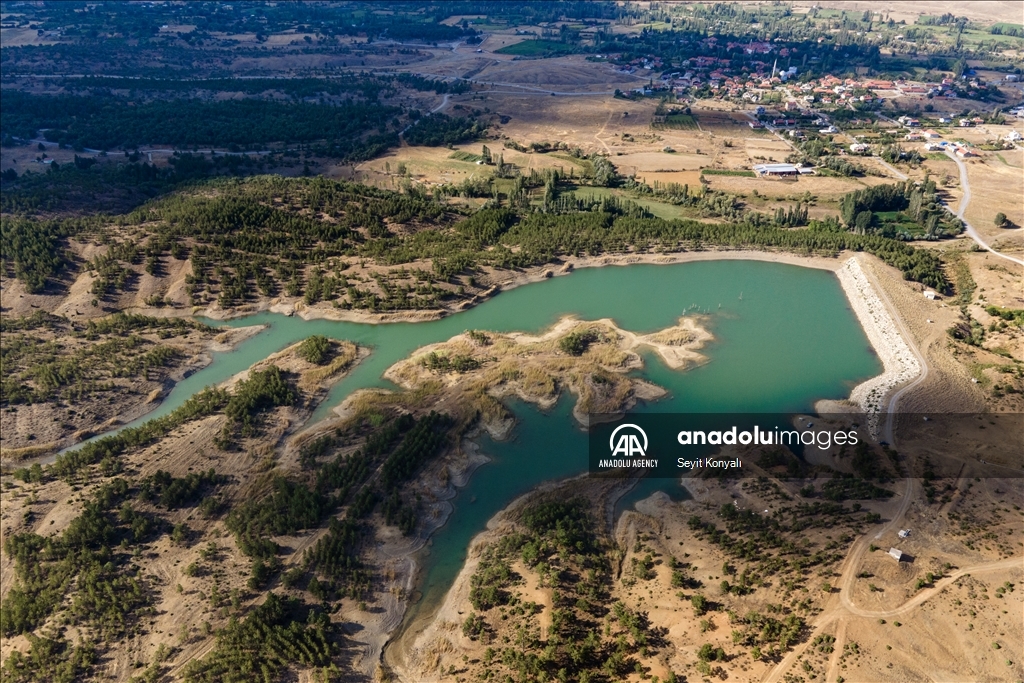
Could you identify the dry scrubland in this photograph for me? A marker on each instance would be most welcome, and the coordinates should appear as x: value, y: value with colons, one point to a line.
x: 860, y: 614
x: 198, y: 580
x: 119, y: 375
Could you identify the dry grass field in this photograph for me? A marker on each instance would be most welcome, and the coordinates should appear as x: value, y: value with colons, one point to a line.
x: 983, y: 11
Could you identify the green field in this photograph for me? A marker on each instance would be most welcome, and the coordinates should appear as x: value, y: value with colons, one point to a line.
x: 660, y: 209
x: 725, y: 171
x: 537, y: 48
x: 900, y: 221
x: 459, y: 155
x: 585, y: 164
x: 1005, y: 27
x: 678, y: 122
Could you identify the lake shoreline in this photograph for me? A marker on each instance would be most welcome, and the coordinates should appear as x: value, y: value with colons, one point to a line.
x: 899, y: 363
x: 508, y: 280
x: 225, y: 341
x: 407, y: 560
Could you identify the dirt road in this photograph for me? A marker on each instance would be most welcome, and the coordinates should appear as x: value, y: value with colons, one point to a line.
x: 894, y: 313
x: 846, y: 609
x: 965, y: 185
x: 927, y: 594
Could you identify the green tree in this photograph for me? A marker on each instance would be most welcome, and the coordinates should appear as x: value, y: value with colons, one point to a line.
x: 314, y: 349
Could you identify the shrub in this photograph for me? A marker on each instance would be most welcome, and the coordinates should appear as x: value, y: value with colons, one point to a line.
x: 576, y: 343
x: 315, y: 349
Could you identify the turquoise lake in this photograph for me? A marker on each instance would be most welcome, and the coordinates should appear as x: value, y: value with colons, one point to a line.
x: 785, y: 337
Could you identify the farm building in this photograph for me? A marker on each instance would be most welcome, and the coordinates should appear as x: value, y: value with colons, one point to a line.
x: 776, y: 170
x: 896, y: 554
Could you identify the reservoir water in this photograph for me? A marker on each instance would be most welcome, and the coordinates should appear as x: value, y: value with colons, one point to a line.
x: 785, y: 337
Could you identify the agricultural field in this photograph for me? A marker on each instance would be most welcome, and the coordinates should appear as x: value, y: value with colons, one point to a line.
x: 535, y: 48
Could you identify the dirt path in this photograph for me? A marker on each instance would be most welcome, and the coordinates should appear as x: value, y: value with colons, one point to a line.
x: 899, y: 174
x: 843, y: 608
x: 835, y: 608
x: 927, y: 594
x: 965, y: 185
x: 894, y: 313
x: 597, y: 135
x: 837, y: 651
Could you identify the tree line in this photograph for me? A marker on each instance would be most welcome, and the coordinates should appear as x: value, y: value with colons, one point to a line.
x: 107, y: 123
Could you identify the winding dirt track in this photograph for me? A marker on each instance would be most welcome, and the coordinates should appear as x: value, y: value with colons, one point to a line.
x: 840, y: 608
x: 846, y: 608
x: 836, y: 608
x: 920, y: 598
x: 962, y: 208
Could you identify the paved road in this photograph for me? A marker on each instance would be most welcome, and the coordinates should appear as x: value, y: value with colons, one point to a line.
x: 157, y: 150
x: 533, y: 90
x: 444, y: 103
x: 965, y: 185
